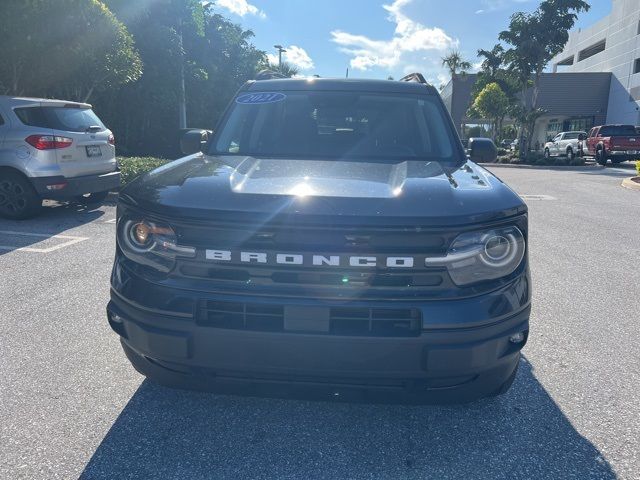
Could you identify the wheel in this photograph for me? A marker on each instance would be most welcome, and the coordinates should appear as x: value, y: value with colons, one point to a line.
x: 547, y: 153
x: 504, y: 388
x: 617, y: 161
x: 570, y: 154
x: 92, y: 198
x: 18, y: 198
x: 601, y: 158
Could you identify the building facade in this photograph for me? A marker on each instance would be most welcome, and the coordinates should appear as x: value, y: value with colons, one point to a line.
x: 572, y: 102
x: 611, y: 45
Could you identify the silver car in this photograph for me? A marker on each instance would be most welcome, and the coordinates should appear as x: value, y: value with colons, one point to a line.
x: 52, y: 149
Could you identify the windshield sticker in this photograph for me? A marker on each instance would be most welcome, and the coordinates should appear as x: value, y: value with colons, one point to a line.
x: 260, y: 98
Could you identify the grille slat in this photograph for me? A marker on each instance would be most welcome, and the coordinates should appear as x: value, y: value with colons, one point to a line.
x: 346, y: 321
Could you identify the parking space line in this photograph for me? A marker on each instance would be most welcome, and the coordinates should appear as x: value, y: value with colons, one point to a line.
x: 537, y: 197
x: 113, y: 220
x: 71, y: 240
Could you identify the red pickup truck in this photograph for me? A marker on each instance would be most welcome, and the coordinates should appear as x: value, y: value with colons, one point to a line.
x: 613, y: 142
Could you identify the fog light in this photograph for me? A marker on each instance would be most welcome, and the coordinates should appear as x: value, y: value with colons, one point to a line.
x: 116, y: 318
x: 141, y: 233
x: 517, y: 337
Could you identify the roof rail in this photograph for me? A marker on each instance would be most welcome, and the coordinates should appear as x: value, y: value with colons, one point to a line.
x: 268, y: 75
x: 414, y: 77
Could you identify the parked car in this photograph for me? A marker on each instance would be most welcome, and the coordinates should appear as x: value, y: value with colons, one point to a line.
x: 506, y: 144
x: 569, y: 144
x: 617, y: 143
x: 332, y: 236
x: 52, y: 149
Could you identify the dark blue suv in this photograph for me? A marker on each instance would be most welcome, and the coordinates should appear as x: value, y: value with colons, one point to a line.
x: 331, y: 238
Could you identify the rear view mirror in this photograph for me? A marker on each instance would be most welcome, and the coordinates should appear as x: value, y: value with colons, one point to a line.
x: 482, y: 150
x: 194, y: 141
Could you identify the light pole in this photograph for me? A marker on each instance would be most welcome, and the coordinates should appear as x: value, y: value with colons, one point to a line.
x: 280, y: 49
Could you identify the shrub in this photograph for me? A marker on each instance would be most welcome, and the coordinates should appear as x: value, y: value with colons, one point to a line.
x: 131, y: 167
x: 638, y: 167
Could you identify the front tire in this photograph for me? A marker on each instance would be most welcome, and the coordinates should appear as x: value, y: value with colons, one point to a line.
x: 506, y: 386
x: 18, y: 199
x: 570, y: 155
x: 601, y: 157
x: 547, y: 153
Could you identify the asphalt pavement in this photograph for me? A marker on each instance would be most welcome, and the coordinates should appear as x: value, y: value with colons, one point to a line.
x: 71, y: 405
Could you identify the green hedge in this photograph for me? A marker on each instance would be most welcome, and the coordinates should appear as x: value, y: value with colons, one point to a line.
x: 638, y: 167
x: 131, y: 167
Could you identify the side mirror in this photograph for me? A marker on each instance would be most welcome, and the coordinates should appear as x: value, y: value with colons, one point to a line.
x: 582, y: 137
x: 482, y: 150
x: 194, y: 141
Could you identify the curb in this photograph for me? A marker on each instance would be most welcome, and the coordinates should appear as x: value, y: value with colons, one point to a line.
x: 631, y: 184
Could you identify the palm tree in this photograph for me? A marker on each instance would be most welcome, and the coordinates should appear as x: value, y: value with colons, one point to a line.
x: 493, y: 59
x: 286, y: 69
x: 456, y: 64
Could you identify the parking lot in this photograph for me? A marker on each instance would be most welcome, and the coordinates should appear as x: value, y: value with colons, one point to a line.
x: 72, y: 406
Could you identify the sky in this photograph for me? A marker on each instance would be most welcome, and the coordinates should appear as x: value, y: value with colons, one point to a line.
x: 378, y: 38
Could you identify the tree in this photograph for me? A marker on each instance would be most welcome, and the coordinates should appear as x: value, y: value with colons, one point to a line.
x: 455, y: 64
x: 492, y: 104
x: 285, y: 68
x: 217, y: 57
x: 535, y: 38
x: 48, y: 52
x: 493, y: 60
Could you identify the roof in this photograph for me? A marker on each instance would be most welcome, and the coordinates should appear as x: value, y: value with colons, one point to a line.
x: 13, y: 102
x: 339, y: 84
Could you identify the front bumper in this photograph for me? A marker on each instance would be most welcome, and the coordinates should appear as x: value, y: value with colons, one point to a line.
x: 446, y: 361
x: 76, y: 186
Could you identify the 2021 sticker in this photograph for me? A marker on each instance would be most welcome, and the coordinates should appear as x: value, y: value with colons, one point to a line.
x: 259, y: 98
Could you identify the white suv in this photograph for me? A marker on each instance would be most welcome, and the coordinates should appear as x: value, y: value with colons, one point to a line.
x: 565, y: 143
x: 52, y: 149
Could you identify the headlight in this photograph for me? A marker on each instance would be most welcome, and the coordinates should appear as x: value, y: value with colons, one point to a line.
x: 478, y: 256
x: 151, y: 244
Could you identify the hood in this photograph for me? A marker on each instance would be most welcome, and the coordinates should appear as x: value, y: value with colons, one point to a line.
x: 429, y: 193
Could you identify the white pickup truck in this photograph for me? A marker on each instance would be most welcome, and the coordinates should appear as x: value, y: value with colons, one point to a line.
x: 565, y: 143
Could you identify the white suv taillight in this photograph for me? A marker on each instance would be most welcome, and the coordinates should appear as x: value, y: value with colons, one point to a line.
x: 112, y: 140
x: 48, y: 142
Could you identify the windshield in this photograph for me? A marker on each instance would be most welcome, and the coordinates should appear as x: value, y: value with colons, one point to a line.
x: 70, y: 119
x: 336, y: 125
x: 618, y: 130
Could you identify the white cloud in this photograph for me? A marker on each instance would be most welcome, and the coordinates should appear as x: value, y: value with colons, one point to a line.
x: 296, y: 56
x: 409, y: 37
x: 241, y: 8
x: 493, y: 5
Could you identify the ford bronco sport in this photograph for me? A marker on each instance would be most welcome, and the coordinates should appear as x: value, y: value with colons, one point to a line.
x: 332, y: 236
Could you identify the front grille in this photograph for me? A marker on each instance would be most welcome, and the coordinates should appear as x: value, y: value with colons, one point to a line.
x: 345, y: 321
x: 326, y: 282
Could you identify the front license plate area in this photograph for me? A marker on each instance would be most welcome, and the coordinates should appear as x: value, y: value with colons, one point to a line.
x: 93, y: 151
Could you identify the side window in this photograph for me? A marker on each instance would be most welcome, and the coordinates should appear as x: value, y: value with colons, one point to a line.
x: 1, y: 121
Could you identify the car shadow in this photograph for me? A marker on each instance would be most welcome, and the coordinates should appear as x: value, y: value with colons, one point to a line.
x: 164, y: 433
x: 55, y: 219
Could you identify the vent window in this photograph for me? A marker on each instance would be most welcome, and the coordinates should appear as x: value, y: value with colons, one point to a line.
x: 636, y: 66
x: 592, y: 50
